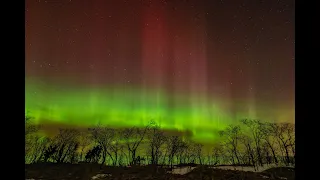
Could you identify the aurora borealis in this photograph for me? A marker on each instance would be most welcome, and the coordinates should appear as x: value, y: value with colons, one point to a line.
x: 188, y: 65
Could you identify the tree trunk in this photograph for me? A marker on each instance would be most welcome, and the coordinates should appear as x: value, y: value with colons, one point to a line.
x: 66, y: 153
x: 232, y: 158
x: 156, y: 158
x: 81, y: 154
x: 285, y: 147
x: 287, y: 155
x: 200, y: 160
x: 115, y: 158
x: 133, y: 156
x: 259, y: 155
x: 152, y: 155
x: 110, y: 155
x: 104, y: 156
x: 273, y: 153
x: 171, y: 161
x: 236, y: 154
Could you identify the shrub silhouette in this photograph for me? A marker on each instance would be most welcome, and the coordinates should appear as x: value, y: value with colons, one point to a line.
x: 94, y: 154
x: 49, y: 152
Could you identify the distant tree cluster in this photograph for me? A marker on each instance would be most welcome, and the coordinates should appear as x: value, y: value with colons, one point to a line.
x: 257, y: 143
x: 253, y: 143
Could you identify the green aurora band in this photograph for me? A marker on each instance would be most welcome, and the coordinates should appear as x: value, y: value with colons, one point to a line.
x: 126, y: 107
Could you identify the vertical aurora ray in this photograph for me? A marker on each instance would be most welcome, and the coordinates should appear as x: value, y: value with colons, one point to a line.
x: 154, y: 56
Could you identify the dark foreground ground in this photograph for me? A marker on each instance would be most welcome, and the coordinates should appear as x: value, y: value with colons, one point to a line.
x: 90, y: 171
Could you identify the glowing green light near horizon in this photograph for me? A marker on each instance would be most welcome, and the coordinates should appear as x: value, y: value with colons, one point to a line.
x: 125, y: 107
x: 118, y: 107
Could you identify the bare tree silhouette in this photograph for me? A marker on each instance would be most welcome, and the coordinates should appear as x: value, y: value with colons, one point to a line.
x: 255, y: 127
x: 174, y: 143
x: 156, y: 140
x: 270, y: 140
x: 133, y: 137
x: 262, y: 143
x: 103, y: 136
x: 30, y: 127
x: 182, y: 152
x: 39, y: 147
x: 84, y: 141
x: 290, y: 133
x: 217, y: 153
x: 198, y: 152
x: 189, y: 150
x: 265, y: 152
x: 65, y: 143
x: 115, y: 147
x: 283, y: 133
x: 31, y: 136
x: 231, y: 141
x: 248, y: 144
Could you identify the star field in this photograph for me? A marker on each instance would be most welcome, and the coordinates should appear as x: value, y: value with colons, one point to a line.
x: 186, y: 60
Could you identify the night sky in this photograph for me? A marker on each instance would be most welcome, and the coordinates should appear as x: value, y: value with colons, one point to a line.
x: 187, y: 64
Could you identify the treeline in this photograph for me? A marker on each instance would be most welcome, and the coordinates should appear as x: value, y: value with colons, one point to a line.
x: 252, y: 143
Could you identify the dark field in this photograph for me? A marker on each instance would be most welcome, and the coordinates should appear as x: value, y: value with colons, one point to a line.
x: 90, y: 171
